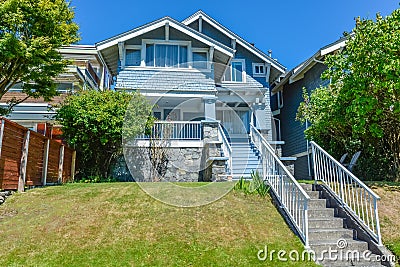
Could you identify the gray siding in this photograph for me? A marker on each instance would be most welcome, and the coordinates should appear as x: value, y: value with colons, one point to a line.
x: 293, y: 131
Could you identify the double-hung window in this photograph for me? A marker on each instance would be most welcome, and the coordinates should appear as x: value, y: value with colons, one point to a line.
x: 236, y: 71
x: 166, y: 55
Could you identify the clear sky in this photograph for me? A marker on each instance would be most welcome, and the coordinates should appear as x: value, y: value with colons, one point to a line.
x: 293, y: 29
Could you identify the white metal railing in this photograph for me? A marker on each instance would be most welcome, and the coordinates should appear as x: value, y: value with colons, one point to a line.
x: 292, y: 197
x: 175, y: 130
x: 353, y: 194
x: 226, y: 148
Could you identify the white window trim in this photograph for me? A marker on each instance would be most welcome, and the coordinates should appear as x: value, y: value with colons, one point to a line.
x: 259, y: 74
x: 169, y: 42
x: 243, y: 61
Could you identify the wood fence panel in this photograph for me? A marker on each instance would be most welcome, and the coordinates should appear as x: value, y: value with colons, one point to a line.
x: 34, y: 168
x: 11, y: 153
x: 54, y: 160
x: 67, y: 177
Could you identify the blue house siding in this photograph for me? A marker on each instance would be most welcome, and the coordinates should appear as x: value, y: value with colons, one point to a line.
x: 292, y: 131
x: 214, y: 33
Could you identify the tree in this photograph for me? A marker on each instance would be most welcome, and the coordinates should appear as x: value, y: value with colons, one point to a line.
x: 361, y: 106
x: 30, y: 33
x: 94, y: 123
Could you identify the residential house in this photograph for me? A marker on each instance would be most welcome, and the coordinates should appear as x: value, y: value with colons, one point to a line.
x: 286, y: 98
x: 85, y: 72
x: 196, y: 70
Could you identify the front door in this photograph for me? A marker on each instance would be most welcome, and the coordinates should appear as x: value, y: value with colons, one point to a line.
x: 235, y: 121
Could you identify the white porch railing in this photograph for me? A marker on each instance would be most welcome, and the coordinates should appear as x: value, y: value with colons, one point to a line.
x: 175, y: 130
x: 292, y: 197
x: 353, y: 194
x: 226, y: 148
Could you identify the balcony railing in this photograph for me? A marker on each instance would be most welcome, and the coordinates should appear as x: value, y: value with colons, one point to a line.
x: 175, y: 130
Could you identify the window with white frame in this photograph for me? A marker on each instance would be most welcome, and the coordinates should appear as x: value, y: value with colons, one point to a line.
x: 166, y: 55
x: 200, y: 58
x: 259, y: 69
x: 132, y: 57
x: 236, y: 71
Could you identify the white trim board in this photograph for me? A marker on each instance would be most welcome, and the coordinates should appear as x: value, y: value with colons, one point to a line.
x: 161, y: 23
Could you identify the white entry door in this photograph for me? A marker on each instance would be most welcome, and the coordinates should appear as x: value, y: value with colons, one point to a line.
x: 235, y: 121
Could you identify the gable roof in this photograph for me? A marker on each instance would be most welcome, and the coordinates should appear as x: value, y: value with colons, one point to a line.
x: 300, y: 70
x: 110, y: 45
x: 159, y: 23
x: 232, y: 35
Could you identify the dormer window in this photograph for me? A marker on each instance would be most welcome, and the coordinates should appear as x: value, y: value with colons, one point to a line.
x: 166, y: 55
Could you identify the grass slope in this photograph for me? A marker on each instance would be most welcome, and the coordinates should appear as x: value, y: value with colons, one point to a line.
x: 117, y: 224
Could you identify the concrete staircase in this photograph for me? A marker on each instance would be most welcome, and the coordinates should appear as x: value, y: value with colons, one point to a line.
x: 244, y: 159
x: 328, y: 233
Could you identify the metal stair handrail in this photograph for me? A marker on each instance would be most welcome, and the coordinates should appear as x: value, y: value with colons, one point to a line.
x: 226, y: 148
x: 292, y: 197
x: 356, y: 197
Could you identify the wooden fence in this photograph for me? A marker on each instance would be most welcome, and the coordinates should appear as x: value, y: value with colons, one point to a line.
x: 30, y: 159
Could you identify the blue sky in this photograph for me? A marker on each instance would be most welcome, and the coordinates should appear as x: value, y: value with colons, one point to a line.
x: 293, y: 30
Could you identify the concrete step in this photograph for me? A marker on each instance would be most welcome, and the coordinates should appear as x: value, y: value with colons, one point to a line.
x: 319, y: 223
x: 313, y: 194
x: 350, y: 245
x: 329, y: 234
x: 307, y: 187
x: 321, y: 213
x: 317, y: 204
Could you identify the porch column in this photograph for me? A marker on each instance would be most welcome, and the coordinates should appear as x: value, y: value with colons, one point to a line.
x: 209, y: 107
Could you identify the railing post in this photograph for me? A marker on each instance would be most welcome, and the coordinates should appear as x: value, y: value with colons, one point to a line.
x: 61, y: 165
x: 24, y: 163
x: 378, y: 227
x: 341, y: 188
x: 306, y: 240
x: 314, y: 162
x: 45, y: 161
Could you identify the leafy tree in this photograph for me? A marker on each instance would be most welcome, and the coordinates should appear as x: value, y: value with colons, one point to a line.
x: 94, y: 123
x: 361, y: 106
x: 30, y: 33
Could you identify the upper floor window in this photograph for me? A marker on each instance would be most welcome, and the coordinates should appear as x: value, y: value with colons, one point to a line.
x: 200, y: 59
x: 236, y: 71
x: 259, y: 69
x: 132, y: 57
x: 166, y: 55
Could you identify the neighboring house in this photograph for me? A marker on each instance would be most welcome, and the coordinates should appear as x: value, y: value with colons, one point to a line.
x: 285, y: 100
x: 85, y: 72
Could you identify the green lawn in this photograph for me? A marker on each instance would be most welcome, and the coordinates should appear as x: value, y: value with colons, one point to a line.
x: 116, y: 224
